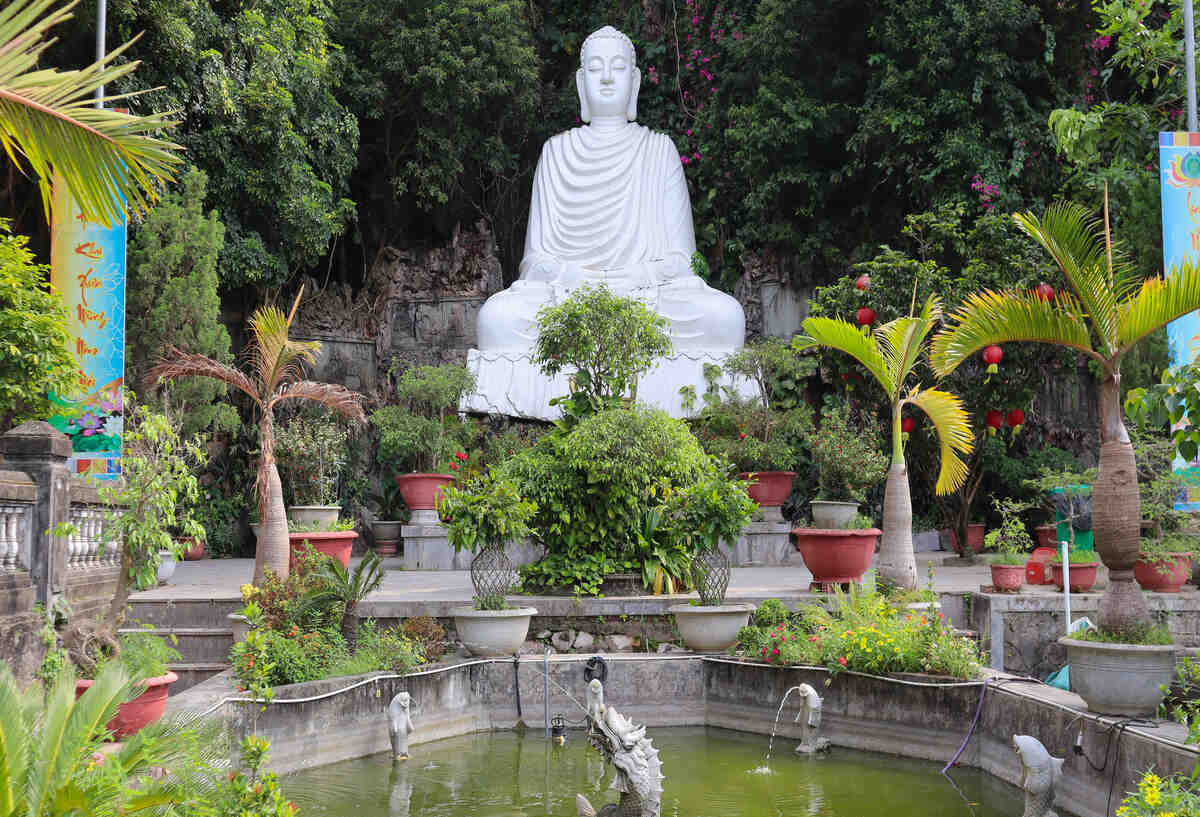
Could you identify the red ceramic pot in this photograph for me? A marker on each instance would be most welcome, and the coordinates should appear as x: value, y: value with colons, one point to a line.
x: 1047, y: 535
x: 336, y: 544
x: 769, y: 488
x: 836, y: 556
x: 146, y: 708
x: 386, y: 547
x: 975, y: 536
x: 193, y: 548
x: 420, y: 491
x: 1083, y: 576
x: 1166, y: 576
x: 1008, y: 577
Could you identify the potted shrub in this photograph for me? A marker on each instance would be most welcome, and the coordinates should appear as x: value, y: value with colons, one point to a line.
x: 1126, y: 677
x: 390, y: 514
x: 487, y: 514
x: 1009, y: 545
x: 311, y: 451
x: 423, y: 435
x: 335, y: 541
x: 1164, y: 564
x: 848, y: 462
x: 762, y: 437
x: 700, y: 516
x: 144, y: 657
x: 1084, y: 568
x: 837, y: 556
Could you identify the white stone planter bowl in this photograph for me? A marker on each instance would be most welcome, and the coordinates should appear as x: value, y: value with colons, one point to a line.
x: 710, y: 629
x: 166, y: 566
x: 831, y: 515
x: 324, y: 515
x: 487, y: 633
x: 1120, y: 679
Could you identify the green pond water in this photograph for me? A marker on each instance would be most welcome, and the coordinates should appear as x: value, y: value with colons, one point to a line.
x: 710, y: 773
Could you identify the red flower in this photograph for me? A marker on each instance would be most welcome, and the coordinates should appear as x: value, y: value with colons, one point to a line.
x: 462, y: 456
x: 454, y: 466
x: 843, y: 661
x: 813, y: 639
x: 775, y: 651
x: 742, y: 436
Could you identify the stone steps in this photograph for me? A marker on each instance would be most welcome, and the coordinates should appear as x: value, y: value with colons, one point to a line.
x: 182, y: 612
x: 191, y: 674
x: 204, y: 651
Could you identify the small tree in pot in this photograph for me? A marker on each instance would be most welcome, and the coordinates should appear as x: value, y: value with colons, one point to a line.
x: 848, y: 462
x: 484, y: 516
x: 1009, y: 544
x: 705, y: 513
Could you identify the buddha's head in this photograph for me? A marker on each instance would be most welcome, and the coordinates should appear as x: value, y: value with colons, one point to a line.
x: 608, y: 78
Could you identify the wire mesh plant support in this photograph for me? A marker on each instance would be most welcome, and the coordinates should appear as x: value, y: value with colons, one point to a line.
x: 710, y: 574
x: 493, y: 577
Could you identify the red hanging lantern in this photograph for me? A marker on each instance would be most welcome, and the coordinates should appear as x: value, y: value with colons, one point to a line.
x: 995, y: 419
x: 1044, y: 291
x: 992, y: 355
x: 865, y: 316
x: 908, y: 425
x: 1015, y: 419
x: 863, y: 283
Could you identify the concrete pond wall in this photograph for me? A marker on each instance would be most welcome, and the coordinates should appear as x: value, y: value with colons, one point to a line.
x: 317, y: 723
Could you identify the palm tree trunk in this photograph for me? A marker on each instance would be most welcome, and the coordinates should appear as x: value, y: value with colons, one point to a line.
x: 895, y: 563
x: 273, y: 549
x: 1116, y: 516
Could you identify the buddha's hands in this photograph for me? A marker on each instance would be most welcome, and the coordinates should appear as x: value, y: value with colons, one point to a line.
x: 676, y: 266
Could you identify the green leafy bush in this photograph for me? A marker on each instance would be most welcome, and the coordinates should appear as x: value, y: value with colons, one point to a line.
x: 423, y: 433
x: 251, y: 790
x: 1156, y: 797
x: 862, y: 633
x: 848, y: 459
x: 1010, y: 543
x: 378, y: 651
x: 770, y: 613
x: 593, y: 485
x: 34, y: 356
x: 311, y: 452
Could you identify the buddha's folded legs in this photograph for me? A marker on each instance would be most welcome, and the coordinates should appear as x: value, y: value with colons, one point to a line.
x: 701, y: 317
x: 508, y: 320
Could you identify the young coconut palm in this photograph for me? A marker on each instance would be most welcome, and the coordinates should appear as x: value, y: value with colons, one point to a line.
x: 890, y: 353
x: 49, y: 124
x: 276, y: 364
x: 1109, y: 310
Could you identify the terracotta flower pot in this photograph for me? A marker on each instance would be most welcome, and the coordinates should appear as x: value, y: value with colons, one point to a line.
x: 146, y: 708
x: 334, y: 543
x: 836, y: 556
x: 1008, y: 577
x: 1164, y: 576
x: 769, y: 488
x: 420, y: 491
x: 1083, y: 576
x: 193, y: 548
x: 1046, y: 535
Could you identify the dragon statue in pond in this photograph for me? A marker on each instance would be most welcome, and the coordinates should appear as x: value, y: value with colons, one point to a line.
x: 638, y: 769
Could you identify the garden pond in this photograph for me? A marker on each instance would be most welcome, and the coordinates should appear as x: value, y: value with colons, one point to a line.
x: 709, y: 773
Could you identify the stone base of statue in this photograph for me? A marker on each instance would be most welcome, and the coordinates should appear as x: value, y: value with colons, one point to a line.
x: 765, y: 541
x: 509, y: 384
x: 427, y: 547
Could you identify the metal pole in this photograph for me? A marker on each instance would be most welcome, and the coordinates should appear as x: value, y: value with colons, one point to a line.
x: 1189, y: 56
x: 101, y: 24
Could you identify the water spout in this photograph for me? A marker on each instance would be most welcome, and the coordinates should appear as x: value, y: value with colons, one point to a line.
x: 811, y: 713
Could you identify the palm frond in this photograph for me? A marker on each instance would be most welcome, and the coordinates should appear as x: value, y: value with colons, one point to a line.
x: 1075, y: 239
x: 902, y: 340
x: 190, y: 364
x: 49, y: 125
x: 1159, y: 301
x: 835, y: 333
x: 274, y: 357
x: 991, y: 317
x: 337, y: 398
x: 15, y: 753
x: 953, y: 427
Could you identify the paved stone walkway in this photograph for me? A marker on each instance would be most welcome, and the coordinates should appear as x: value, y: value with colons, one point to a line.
x: 220, y: 579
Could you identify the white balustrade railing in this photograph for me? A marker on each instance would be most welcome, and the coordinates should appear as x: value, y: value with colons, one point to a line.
x: 84, y: 541
x: 14, y: 532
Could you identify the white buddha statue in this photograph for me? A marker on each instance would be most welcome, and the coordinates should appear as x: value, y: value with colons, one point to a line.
x: 610, y: 207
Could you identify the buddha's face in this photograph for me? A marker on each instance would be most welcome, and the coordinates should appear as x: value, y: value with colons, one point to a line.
x: 608, y: 79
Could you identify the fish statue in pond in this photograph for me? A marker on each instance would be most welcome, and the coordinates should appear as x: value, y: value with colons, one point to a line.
x: 400, y: 725
x: 1040, y: 772
x: 638, y: 774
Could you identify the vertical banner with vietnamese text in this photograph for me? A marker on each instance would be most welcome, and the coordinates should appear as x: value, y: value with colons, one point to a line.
x: 87, y: 268
x: 1179, y: 170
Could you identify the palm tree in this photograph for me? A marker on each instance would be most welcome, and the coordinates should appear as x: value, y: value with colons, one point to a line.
x: 891, y: 353
x: 47, y: 742
x: 276, y: 364
x: 108, y: 160
x: 1108, y: 311
x: 344, y: 589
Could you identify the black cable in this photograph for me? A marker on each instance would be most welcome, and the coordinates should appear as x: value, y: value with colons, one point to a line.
x: 517, y: 682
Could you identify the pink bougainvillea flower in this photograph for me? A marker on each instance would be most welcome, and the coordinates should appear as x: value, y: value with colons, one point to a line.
x: 843, y: 661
